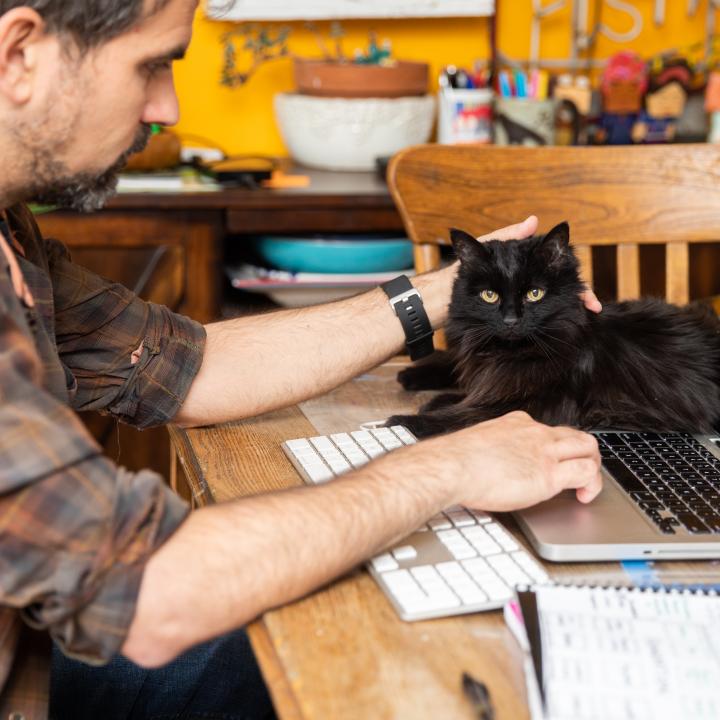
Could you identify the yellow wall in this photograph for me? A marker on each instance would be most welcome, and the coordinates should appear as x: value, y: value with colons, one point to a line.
x: 241, y: 120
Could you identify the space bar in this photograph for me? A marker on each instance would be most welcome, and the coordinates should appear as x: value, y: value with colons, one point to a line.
x: 624, y: 476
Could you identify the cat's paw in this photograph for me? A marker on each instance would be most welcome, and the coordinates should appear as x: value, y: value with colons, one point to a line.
x: 413, y: 378
x: 414, y: 423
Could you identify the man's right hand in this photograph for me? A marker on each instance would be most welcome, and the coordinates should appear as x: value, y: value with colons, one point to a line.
x: 513, y: 462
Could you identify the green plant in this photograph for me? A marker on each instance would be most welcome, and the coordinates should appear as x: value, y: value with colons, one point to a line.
x: 261, y: 44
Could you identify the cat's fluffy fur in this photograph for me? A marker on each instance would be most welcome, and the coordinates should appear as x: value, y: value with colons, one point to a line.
x: 642, y: 364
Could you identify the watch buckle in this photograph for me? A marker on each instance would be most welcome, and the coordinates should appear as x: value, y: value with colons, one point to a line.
x: 403, y: 297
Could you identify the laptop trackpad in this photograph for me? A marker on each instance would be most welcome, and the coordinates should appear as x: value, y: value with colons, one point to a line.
x: 610, y: 518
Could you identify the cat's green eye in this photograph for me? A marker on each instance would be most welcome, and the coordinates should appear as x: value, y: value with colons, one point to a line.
x: 535, y: 295
x: 489, y: 296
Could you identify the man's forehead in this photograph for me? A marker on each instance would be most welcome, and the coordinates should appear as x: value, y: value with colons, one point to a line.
x: 172, y: 16
x: 165, y: 32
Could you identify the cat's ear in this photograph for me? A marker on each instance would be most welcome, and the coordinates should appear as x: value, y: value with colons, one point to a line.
x: 467, y: 248
x: 556, y: 243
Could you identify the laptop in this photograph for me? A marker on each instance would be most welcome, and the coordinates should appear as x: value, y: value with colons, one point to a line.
x: 661, y: 500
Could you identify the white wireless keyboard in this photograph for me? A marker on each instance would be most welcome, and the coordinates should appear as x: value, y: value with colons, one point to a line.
x: 461, y: 561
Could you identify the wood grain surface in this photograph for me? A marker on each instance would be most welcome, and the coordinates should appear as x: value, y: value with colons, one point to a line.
x: 342, y: 652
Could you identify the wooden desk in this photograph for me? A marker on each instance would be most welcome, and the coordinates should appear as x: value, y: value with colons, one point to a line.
x: 342, y: 652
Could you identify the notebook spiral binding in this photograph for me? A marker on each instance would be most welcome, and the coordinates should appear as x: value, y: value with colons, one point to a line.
x: 705, y: 589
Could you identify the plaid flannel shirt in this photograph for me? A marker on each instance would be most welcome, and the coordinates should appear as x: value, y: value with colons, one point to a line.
x: 75, y: 530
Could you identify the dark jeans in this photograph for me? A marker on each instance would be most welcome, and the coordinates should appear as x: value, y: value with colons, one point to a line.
x: 219, y: 680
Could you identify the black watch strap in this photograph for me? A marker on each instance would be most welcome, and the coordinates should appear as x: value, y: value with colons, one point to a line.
x: 407, y: 304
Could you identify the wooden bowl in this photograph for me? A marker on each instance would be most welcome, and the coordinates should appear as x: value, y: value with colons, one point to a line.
x: 349, y: 80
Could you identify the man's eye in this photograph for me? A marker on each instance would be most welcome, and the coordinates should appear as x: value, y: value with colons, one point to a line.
x: 535, y: 294
x: 158, y: 67
x: 489, y: 296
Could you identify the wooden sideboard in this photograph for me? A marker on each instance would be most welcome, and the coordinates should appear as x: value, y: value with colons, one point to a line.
x: 200, y: 225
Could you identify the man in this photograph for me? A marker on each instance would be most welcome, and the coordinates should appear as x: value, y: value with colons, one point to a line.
x: 109, y: 562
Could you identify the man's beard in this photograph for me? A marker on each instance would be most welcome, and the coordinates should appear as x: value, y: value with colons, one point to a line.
x: 85, y: 192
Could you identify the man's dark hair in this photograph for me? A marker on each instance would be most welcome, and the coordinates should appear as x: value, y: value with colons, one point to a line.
x: 88, y: 22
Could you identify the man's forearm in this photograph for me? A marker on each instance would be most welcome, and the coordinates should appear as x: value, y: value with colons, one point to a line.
x: 260, y: 363
x: 229, y: 563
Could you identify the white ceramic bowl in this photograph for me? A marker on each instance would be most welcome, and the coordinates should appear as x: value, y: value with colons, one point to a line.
x: 349, y: 134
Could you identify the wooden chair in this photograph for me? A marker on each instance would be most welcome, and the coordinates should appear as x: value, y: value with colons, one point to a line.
x: 624, y: 196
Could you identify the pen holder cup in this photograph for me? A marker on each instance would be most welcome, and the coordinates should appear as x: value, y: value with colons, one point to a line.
x: 465, y: 116
x: 524, y: 121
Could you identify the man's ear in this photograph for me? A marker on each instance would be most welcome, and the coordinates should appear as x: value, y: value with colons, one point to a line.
x: 556, y: 243
x: 20, y: 29
x: 467, y: 248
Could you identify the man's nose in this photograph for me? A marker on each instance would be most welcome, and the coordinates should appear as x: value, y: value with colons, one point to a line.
x: 162, y: 107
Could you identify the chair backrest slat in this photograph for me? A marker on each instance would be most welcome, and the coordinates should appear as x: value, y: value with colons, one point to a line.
x: 584, y: 255
x: 677, y: 273
x: 628, y: 271
x: 427, y: 257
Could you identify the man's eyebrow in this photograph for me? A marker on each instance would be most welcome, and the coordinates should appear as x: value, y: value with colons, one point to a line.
x: 177, y: 53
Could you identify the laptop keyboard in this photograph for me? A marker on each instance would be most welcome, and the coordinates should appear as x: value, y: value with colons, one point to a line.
x: 672, y: 477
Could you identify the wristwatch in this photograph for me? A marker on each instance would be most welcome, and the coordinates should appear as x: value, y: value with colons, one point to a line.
x: 407, y: 304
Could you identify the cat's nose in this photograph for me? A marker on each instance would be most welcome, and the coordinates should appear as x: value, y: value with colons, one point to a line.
x: 510, y: 320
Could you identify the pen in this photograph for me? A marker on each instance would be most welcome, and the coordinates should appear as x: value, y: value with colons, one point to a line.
x: 479, y: 696
x: 504, y: 82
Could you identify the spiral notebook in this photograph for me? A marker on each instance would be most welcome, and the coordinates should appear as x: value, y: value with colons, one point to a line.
x: 619, y: 653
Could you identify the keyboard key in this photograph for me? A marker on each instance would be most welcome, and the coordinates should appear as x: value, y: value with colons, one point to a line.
x: 488, y: 580
x: 438, y: 592
x: 502, y: 537
x: 692, y: 523
x: 531, y: 566
x: 499, y: 592
x: 481, y: 541
x: 368, y: 443
x: 384, y: 563
x: 460, y: 518
x: 712, y: 521
x: 318, y: 472
x: 480, y: 516
x: 623, y: 476
x: 386, y: 438
x: 461, y: 583
x: 350, y: 449
x: 299, y: 445
x: 439, y: 522
x: 509, y: 570
x: 405, y: 552
x: 404, y: 435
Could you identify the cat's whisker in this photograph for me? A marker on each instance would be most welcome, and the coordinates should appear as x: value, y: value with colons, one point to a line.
x: 545, y: 333
x: 475, y: 340
x: 545, y: 349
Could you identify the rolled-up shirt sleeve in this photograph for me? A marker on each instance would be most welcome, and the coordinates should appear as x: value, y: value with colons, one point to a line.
x: 130, y: 358
x: 77, y: 531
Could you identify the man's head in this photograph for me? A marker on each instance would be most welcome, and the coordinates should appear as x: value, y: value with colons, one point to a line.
x: 80, y: 83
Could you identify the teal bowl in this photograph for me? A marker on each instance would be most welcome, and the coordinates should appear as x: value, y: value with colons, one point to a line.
x: 359, y: 255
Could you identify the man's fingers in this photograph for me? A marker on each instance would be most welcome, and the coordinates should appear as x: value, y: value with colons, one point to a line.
x: 580, y: 475
x: 519, y: 231
x: 588, y: 493
x: 590, y: 301
x: 572, y: 444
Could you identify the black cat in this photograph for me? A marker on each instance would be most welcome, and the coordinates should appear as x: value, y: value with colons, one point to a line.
x: 520, y: 338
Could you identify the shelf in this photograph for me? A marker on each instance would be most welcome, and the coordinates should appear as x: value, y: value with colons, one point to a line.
x: 241, y: 10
